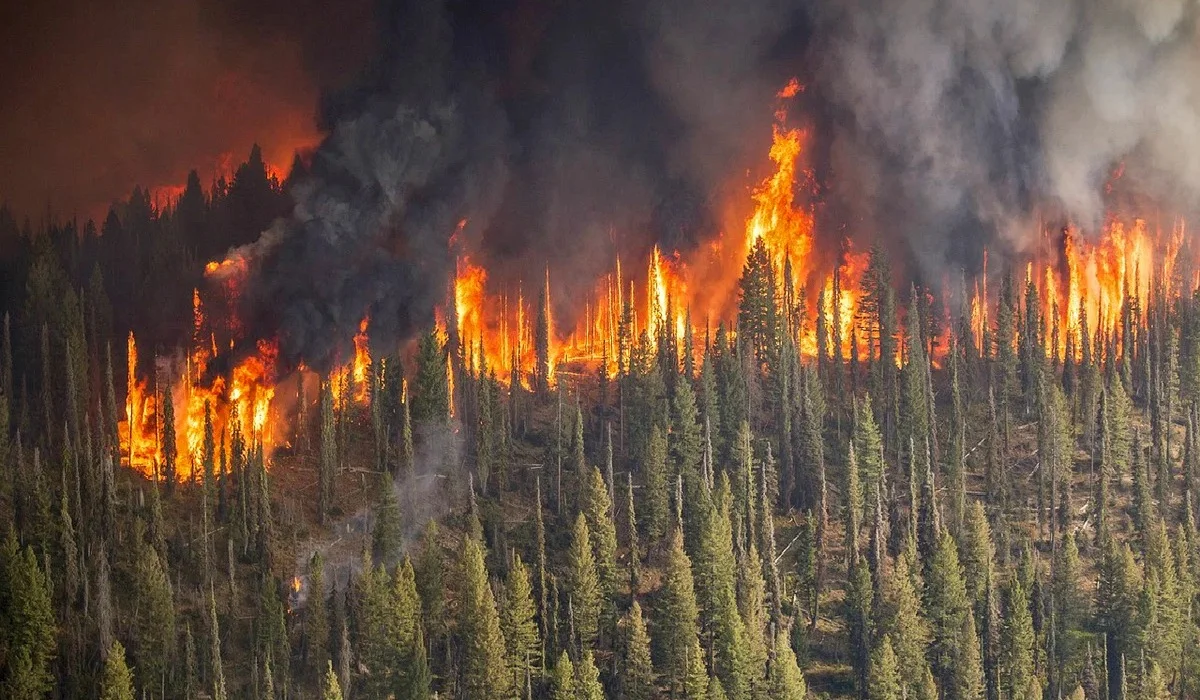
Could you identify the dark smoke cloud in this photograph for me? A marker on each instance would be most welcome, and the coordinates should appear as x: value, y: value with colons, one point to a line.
x: 565, y: 131
x: 957, y: 123
x: 100, y: 97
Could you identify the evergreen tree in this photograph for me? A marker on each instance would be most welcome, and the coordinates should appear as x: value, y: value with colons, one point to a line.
x: 598, y: 511
x: 431, y: 392
x: 1018, y: 643
x: 854, y: 507
x: 562, y: 679
x: 945, y: 606
x: 752, y: 606
x: 316, y: 618
x: 27, y: 627
x: 967, y: 682
x: 587, y: 678
x: 685, y: 438
x: 1070, y: 605
x: 168, y: 442
x: 655, y: 508
x: 858, y: 622
x: 330, y: 688
x: 154, y: 622
x: 637, y: 673
x: 518, y: 625
x: 784, y: 679
x: 116, y: 683
x: 678, y: 627
x: 583, y: 584
x: 631, y: 537
x: 327, y: 467
x: 716, y: 564
x: 757, y: 309
x: 481, y: 641
x: 884, y: 679
x: 388, y: 530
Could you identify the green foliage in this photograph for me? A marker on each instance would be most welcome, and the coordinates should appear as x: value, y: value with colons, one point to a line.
x: 884, y: 679
x: 587, y: 678
x: 784, y: 679
x: 583, y: 584
x: 945, y: 607
x: 678, y: 617
x: 116, y: 683
x: 388, y: 530
x: 602, y: 530
x: 562, y: 679
x: 431, y: 391
x: 1018, y: 643
x: 330, y: 688
x: 655, y: 508
x: 522, y: 644
x: 27, y: 626
x: 480, y: 640
x: 637, y: 672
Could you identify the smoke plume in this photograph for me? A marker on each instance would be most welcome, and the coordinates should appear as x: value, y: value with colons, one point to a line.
x: 566, y: 132
x: 960, y: 122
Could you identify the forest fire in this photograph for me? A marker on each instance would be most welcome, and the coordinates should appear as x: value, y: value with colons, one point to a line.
x: 1085, y: 288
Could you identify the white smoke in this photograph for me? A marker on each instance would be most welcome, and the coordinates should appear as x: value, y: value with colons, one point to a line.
x: 962, y: 118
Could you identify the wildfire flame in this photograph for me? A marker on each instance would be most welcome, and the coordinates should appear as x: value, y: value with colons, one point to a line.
x: 1081, y: 282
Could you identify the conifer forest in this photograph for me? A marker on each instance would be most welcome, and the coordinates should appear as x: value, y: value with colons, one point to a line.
x: 704, y: 406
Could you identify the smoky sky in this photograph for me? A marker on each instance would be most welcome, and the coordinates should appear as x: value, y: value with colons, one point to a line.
x: 564, y: 131
x: 100, y: 97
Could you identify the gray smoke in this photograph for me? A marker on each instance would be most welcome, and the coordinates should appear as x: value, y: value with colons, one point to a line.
x: 571, y: 131
x: 960, y: 121
x: 370, y: 230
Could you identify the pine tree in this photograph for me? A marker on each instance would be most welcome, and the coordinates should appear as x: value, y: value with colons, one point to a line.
x: 218, y: 671
x: 637, y: 672
x: 316, y: 619
x: 518, y: 625
x: 388, y: 531
x: 562, y: 679
x: 541, y: 342
x: 977, y: 556
x: 853, y: 507
x: 27, y: 626
x: 482, y: 643
x: 154, y: 622
x: 598, y: 511
x: 168, y: 442
x: 330, y: 688
x: 583, y: 584
x: 1069, y: 603
x: 431, y: 392
x: 587, y: 678
x: 757, y: 310
x: 967, y: 682
x: 1018, y: 642
x: 116, y: 683
x: 655, y: 518
x: 685, y: 437
x: 752, y: 606
x: 884, y: 680
x: 208, y: 457
x: 678, y: 627
x: 631, y: 537
x: 945, y: 606
x: 784, y: 679
x: 1117, y: 607
x: 716, y: 564
x: 858, y: 622
x: 327, y: 467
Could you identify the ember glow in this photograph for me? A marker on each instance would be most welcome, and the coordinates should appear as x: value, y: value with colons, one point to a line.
x: 1086, y: 284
